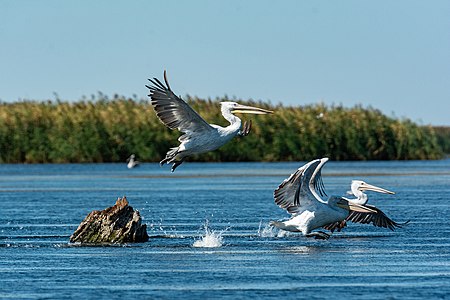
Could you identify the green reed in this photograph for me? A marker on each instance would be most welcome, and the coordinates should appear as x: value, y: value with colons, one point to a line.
x: 109, y: 130
x: 443, y: 137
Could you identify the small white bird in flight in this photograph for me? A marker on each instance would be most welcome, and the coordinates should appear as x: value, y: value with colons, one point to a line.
x: 301, y: 195
x: 199, y: 136
x: 132, y: 162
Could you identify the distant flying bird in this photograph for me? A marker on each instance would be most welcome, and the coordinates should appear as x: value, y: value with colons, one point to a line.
x: 199, y: 136
x: 301, y: 195
x: 132, y: 162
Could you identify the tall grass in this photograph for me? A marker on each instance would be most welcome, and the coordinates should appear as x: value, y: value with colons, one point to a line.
x: 105, y: 130
x: 443, y: 137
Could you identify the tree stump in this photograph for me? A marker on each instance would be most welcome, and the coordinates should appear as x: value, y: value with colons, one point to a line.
x: 117, y: 224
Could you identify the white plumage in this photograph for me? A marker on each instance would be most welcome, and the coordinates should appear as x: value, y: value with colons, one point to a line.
x: 302, y: 196
x: 199, y: 136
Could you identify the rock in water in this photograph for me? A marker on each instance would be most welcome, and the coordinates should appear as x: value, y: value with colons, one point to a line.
x: 117, y: 224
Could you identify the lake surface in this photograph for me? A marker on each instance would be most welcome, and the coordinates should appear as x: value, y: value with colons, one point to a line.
x: 41, y: 206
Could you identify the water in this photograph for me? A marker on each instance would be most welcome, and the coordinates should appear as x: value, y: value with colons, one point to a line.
x: 210, y: 239
x: 209, y: 236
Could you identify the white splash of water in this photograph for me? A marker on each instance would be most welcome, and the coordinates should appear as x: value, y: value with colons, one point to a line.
x: 267, y: 230
x: 157, y: 229
x: 270, y: 231
x: 211, y: 239
x: 283, y: 233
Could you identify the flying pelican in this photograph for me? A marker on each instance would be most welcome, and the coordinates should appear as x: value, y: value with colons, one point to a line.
x: 301, y: 195
x: 199, y: 136
x: 132, y: 162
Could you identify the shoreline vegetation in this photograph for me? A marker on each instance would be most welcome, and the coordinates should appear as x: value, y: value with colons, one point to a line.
x: 110, y: 130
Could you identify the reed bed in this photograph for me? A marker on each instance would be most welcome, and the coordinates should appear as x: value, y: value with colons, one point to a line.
x: 109, y: 130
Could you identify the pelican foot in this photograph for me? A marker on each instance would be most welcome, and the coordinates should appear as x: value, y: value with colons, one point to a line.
x: 246, y: 128
x: 165, y: 160
x: 319, y: 235
x: 273, y: 223
x: 176, y: 164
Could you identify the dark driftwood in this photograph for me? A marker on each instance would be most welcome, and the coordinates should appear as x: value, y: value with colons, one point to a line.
x: 117, y: 224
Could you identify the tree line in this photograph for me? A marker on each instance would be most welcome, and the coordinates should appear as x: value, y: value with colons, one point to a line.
x: 109, y: 130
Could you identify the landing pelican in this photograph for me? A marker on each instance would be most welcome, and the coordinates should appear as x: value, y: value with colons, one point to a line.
x: 199, y: 136
x: 301, y: 195
x: 379, y: 219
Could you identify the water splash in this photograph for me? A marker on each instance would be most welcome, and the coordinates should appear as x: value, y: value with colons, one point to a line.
x: 158, y: 230
x: 211, y: 239
x: 266, y: 230
x: 282, y: 233
x: 270, y: 231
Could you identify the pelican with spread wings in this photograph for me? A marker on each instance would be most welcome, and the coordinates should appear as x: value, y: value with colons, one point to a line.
x: 302, y: 196
x: 199, y: 136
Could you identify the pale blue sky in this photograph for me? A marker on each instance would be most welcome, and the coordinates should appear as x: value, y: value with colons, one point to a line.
x: 392, y: 55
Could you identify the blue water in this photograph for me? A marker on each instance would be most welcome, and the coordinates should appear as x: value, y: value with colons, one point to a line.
x: 41, y: 206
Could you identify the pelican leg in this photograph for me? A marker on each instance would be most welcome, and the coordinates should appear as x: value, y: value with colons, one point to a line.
x: 170, y: 156
x: 161, y: 163
x: 176, y: 164
x: 246, y: 128
x: 319, y: 235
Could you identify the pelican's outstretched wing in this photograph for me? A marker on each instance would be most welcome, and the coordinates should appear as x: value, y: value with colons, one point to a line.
x: 316, y: 182
x: 286, y: 194
x: 377, y: 218
x: 172, y: 110
x: 293, y: 192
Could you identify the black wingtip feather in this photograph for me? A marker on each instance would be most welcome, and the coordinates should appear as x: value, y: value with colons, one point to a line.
x: 160, y: 84
x: 165, y: 79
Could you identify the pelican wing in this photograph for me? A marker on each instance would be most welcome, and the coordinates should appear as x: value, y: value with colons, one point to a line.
x: 286, y: 195
x: 173, y: 111
x: 295, y: 191
x: 377, y: 218
x: 317, y: 183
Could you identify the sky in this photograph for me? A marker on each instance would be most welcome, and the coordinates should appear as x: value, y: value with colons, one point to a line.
x: 390, y: 55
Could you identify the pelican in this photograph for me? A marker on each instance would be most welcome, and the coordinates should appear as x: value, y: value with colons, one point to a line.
x: 199, y: 136
x: 301, y: 195
x: 379, y: 219
x: 132, y: 162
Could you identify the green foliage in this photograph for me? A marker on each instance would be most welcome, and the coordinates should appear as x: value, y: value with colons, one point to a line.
x: 443, y: 137
x: 104, y: 130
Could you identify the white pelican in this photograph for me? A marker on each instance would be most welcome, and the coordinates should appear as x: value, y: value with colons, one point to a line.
x: 132, y: 162
x: 379, y: 219
x: 301, y: 195
x: 199, y: 136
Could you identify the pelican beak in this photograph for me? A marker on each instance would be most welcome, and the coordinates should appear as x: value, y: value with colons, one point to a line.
x: 369, y: 187
x: 244, y: 109
x: 348, y: 205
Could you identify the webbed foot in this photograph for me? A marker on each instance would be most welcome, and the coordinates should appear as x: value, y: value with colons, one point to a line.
x: 246, y: 128
x: 165, y: 160
x: 176, y: 164
x: 319, y: 235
